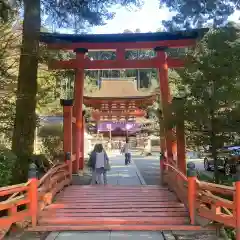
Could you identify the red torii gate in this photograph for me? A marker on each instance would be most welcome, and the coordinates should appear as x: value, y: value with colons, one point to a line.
x: 120, y: 43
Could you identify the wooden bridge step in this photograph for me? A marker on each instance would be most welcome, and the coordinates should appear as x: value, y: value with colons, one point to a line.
x: 63, y: 220
x: 116, y: 190
x: 110, y: 214
x: 122, y: 188
x: 121, y: 201
x: 170, y: 227
x: 113, y: 210
x: 114, y: 196
x: 119, y: 187
x: 115, y: 205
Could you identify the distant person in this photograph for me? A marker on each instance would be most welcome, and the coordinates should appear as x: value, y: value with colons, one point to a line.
x: 92, y: 162
x: 126, y: 152
x: 122, y: 147
x: 100, y: 165
x: 162, y: 156
x: 109, y: 146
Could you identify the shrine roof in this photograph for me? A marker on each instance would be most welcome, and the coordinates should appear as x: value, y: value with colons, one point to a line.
x: 126, y: 37
x: 119, y: 89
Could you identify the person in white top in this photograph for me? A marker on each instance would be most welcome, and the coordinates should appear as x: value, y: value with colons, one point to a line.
x: 109, y: 146
x: 127, y: 152
x: 100, y: 164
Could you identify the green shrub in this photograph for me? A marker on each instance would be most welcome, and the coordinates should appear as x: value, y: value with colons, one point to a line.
x: 7, y: 164
x: 51, y: 130
x: 51, y: 141
x: 41, y: 161
x: 51, y: 146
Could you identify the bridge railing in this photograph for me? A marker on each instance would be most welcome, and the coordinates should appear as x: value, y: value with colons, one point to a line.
x: 177, y: 181
x: 22, y: 203
x: 53, y: 182
x: 208, y: 201
x: 17, y: 204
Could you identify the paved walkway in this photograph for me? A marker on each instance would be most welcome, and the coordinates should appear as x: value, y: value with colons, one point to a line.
x: 123, y: 175
x: 105, y: 236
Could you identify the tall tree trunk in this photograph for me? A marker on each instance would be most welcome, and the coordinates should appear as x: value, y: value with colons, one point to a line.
x: 25, y: 118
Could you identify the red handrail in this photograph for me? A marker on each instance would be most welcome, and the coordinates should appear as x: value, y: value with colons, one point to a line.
x: 210, y: 200
x: 33, y: 195
x: 182, y: 175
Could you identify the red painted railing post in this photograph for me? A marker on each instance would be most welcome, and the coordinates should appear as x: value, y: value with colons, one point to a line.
x: 192, y: 188
x: 68, y: 159
x: 33, y: 193
x: 237, y: 203
x: 81, y: 164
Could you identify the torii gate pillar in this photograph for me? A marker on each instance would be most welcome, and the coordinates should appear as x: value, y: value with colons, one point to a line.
x: 77, y: 110
x: 165, y: 98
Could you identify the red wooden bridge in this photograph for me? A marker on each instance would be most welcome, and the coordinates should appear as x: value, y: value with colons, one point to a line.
x: 114, y: 208
x: 184, y: 203
x: 180, y: 202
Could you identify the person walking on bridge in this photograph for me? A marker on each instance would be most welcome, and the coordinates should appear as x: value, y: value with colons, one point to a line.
x: 99, y: 163
x: 127, y: 152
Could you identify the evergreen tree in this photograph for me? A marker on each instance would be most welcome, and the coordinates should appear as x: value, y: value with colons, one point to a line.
x: 211, y: 77
x: 72, y: 14
x: 195, y: 14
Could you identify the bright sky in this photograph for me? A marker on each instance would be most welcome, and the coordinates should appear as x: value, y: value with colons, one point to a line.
x: 147, y: 19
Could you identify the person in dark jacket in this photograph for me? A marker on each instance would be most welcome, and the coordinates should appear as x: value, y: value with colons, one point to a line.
x: 99, y: 163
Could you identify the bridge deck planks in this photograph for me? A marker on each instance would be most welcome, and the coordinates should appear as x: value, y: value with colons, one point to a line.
x: 113, y: 208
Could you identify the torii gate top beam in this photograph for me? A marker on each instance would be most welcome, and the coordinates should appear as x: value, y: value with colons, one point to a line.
x: 127, y: 41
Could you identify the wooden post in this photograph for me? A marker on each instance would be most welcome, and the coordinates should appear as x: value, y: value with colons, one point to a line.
x: 162, y: 132
x: 68, y: 159
x: 33, y: 193
x: 165, y: 97
x: 192, y: 188
x: 162, y: 168
x: 78, y: 95
x: 67, y: 131
x: 81, y: 163
x: 237, y: 202
x: 181, y: 151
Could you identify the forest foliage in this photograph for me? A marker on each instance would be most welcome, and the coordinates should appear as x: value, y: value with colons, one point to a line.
x: 77, y: 15
x: 210, y: 78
